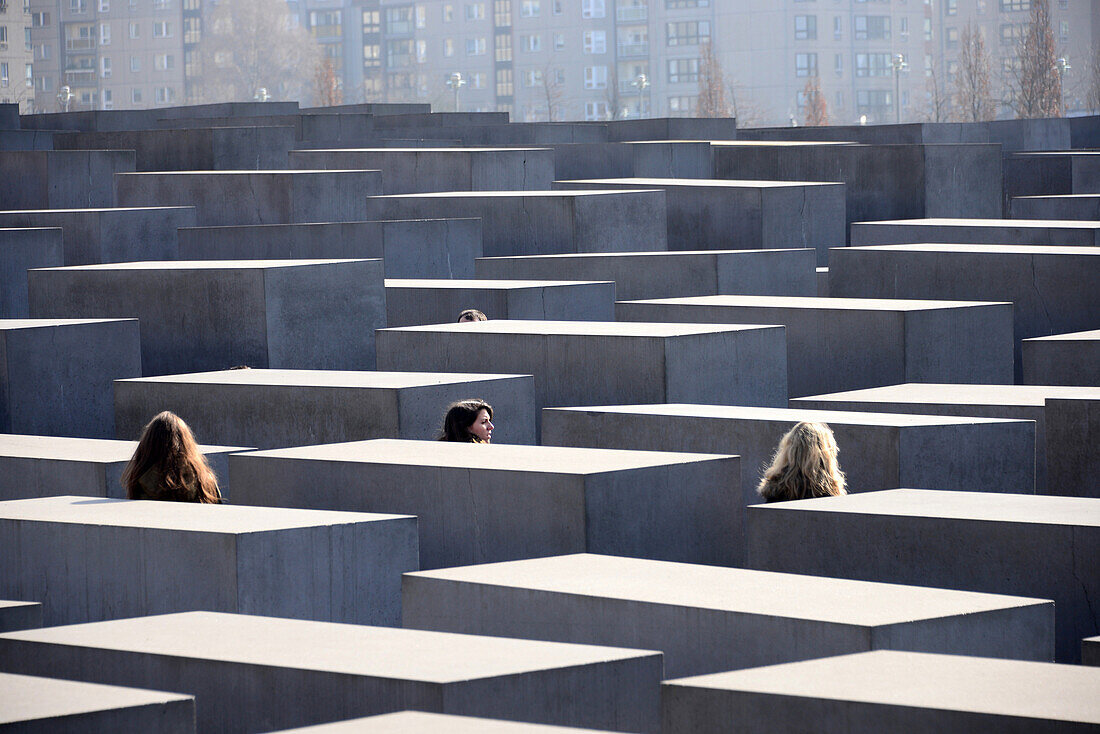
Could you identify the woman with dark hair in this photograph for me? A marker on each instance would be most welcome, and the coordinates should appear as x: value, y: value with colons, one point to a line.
x: 168, y: 465
x: 804, y: 466
x: 468, y: 421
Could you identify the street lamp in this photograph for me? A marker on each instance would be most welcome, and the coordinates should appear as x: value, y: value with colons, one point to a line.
x: 641, y: 82
x: 65, y: 95
x: 899, y: 65
x: 1062, y: 66
x: 261, y: 95
x: 456, y: 82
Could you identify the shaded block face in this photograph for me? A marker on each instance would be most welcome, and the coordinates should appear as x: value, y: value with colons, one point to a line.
x: 471, y: 508
x: 1069, y: 172
x: 34, y: 704
x: 1073, y: 457
x: 305, y: 407
x: 1066, y: 206
x: 417, y: 302
x: 1044, y: 547
x: 1049, y: 233
x: 877, y: 451
x: 707, y: 619
x: 55, y: 374
x: 254, y: 197
x: 61, y: 179
x: 887, y: 691
x: 214, y: 314
x: 340, y: 671
x: 1090, y: 651
x: 652, y: 158
x: 422, y: 722
x: 88, y: 560
x: 20, y: 615
x: 21, y: 250
x: 1063, y: 359
x: 848, y: 343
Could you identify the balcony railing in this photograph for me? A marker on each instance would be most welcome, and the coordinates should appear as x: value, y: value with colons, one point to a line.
x: 79, y: 44
x: 631, y: 15
x: 627, y: 50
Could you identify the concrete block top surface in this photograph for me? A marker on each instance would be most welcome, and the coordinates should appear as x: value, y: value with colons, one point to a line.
x: 785, y: 415
x: 739, y: 590
x: 582, y: 328
x: 179, y: 265
x: 651, y: 253
x: 778, y: 143
x: 246, y: 172
x: 186, y: 516
x: 519, y: 194
x: 349, y: 649
x: 1001, y: 223
x: 27, y: 698
x: 494, y: 456
x: 484, y: 149
x: 708, y: 183
x: 322, y: 378
x: 816, y: 304
x: 923, y: 680
x: 1029, y: 509
x: 15, y: 324
x: 501, y: 285
x: 1076, y: 336
x: 1077, y: 250
x: 5, y: 604
x: 96, y: 450
x: 97, y: 210
x: 960, y: 394
x: 423, y: 722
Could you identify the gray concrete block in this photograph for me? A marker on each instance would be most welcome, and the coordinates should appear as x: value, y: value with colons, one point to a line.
x: 670, y: 274
x: 822, y: 282
x: 650, y: 158
x: 416, y: 302
x: 599, y: 363
x: 1052, y: 172
x: 1058, y: 207
x: 1023, y: 545
x: 419, y: 170
x: 673, y: 128
x: 43, y: 466
x: 110, y: 235
x: 707, y: 619
x: 52, y: 383
x: 1072, y: 454
x: 422, y: 722
x: 242, y: 668
x: 1050, y: 233
x: 61, y: 179
x: 1063, y: 359
x: 542, y: 222
x: 705, y: 214
x: 213, y: 314
x: 305, y: 407
x: 20, y: 250
x: 93, y: 559
x: 886, y: 690
x: 255, y: 197
x: 418, y: 248
x: 199, y: 149
x: 20, y: 615
x: 26, y: 140
x: 877, y: 451
x: 1024, y: 402
x: 480, y: 503
x: 1090, y: 651
x: 36, y: 705
x: 851, y: 343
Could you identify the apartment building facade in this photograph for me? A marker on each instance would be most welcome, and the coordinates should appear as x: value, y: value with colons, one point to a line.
x: 16, y: 79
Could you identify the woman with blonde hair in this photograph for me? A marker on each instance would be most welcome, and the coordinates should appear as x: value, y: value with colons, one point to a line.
x: 804, y: 466
x: 167, y: 465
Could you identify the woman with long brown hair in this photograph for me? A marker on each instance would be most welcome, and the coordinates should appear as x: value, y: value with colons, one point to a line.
x: 167, y: 465
x: 468, y: 421
x: 804, y: 466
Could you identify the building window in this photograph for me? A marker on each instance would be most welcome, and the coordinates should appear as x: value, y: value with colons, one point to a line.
x: 1011, y: 33
x: 104, y: 6
x: 3, y: 37
x: 872, y: 27
x: 595, y: 111
x: 529, y: 9
x: 532, y: 78
x: 135, y: 64
x: 162, y: 29
x: 838, y: 28
x: 805, y: 27
x: 78, y: 6
x: 595, y: 42
x: 951, y: 35
x: 475, y: 46
x: 951, y: 7
x: 40, y: 20
x: 421, y: 52
x: 677, y: 4
x: 593, y: 9
x: 372, y: 21
x: 421, y: 14
x: 559, y: 41
x: 399, y: 21
x: 104, y: 34
x: 556, y: 7
x: 108, y: 99
x: 504, y: 83
x: 683, y: 70
x: 29, y: 76
x: 530, y: 44
x: 873, y: 65
x: 838, y: 64
x: 1010, y: 5
x: 448, y: 47
x: 164, y: 62
x: 372, y: 55
x: 135, y: 96
x: 4, y: 81
x: 135, y: 30
x: 502, y: 47
x: 682, y: 106
x: 595, y: 77
x: 475, y: 11
x: 1063, y: 30
x: 477, y: 80
x: 165, y: 95
x: 448, y: 13
x: 688, y: 33
x: 805, y: 64
x: 326, y: 23
x: 105, y: 67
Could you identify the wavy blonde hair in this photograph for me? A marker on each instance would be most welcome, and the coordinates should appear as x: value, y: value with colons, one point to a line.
x: 804, y: 466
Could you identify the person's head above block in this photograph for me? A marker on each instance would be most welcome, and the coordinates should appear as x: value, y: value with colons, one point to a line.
x: 804, y: 466
x: 471, y: 314
x: 468, y: 421
x: 168, y: 465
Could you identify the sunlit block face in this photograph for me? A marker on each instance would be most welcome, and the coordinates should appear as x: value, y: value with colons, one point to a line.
x: 482, y: 427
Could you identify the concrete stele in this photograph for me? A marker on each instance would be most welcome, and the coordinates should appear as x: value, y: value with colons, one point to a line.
x: 423, y: 722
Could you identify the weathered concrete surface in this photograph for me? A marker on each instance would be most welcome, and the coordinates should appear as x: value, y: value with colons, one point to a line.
x: 339, y: 671
x: 92, y: 120
x: 1052, y: 172
x: 1025, y: 545
x: 707, y: 619
x: 37, y: 705
x: 877, y: 451
x: 1090, y: 651
x: 213, y: 314
x: 91, y: 559
x: 20, y: 615
x: 1047, y: 232
x: 705, y: 214
x: 1060, y: 207
x: 1063, y: 359
x: 420, y: 170
x: 991, y: 401
x: 43, y: 466
x: 515, y: 501
x: 822, y: 282
x: 673, y: 128
x: 886, y: 690
x: 61, y: 179
x: 656, y: 158
x: 1073, y: 457
x: 20, y: 250
x: 53, y: 384
x: 418, y: 248
x: 542, y: 222
x: 110, y: 235
x: 670, y: 274
x: 416, y: 302
x: 851, y: 343
x: 255, y: 197
x: 304, y: 407
x: 422, y: 722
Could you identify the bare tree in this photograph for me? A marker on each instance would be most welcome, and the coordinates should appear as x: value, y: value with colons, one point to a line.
x: 553, y: 89
x: 938, y: 108
x: 972, y: 82
x: 1092, y: 93
x: 1038, y: 88
x: 712, y: 85
x: 612, y: 95
x: 326, y: 86
x: 817, y: 113
x: 743, y: 106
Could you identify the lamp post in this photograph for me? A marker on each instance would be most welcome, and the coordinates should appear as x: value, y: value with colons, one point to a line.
x: 899, y: 65
x: 456, y: 82
x: 64, y: 96
x: 640, y: 82
x: 1062, y: 66
x: 262, y: 95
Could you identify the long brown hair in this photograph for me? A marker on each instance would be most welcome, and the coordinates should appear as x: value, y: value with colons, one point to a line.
x: 804, y: 466
x: 460, y: 416
x: 168, y: 449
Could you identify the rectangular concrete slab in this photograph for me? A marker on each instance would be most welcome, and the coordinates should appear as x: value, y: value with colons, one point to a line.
x: 423, y: 722
x: 91, y: 559
x: 36, y: 705
x: 242, y: 668
x: 542, y: 222
x: 887, y: 690
x: 1090, y: 651
x: 670, y: 274
x: 197, y: 149
x: 976, y: 231
x: 20, y: 250
x: 413, y: 302
x: 1059, y: 206
x: 877, y: 450
x: 625, y: 159
x: 61, y: 179
x: 1052, y: 172
x: 303, y: 407
x: 213, y: 314
x: 1063, y: 359
x: 850, y: 343
x: 20, y: 615
x: 1026, y: 545
x: 480, y: 503
x: 1073, y: 457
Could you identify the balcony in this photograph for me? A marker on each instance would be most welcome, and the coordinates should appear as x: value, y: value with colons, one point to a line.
x: 633, y: 50
x: 79, y: 44
x: 632, y: 15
